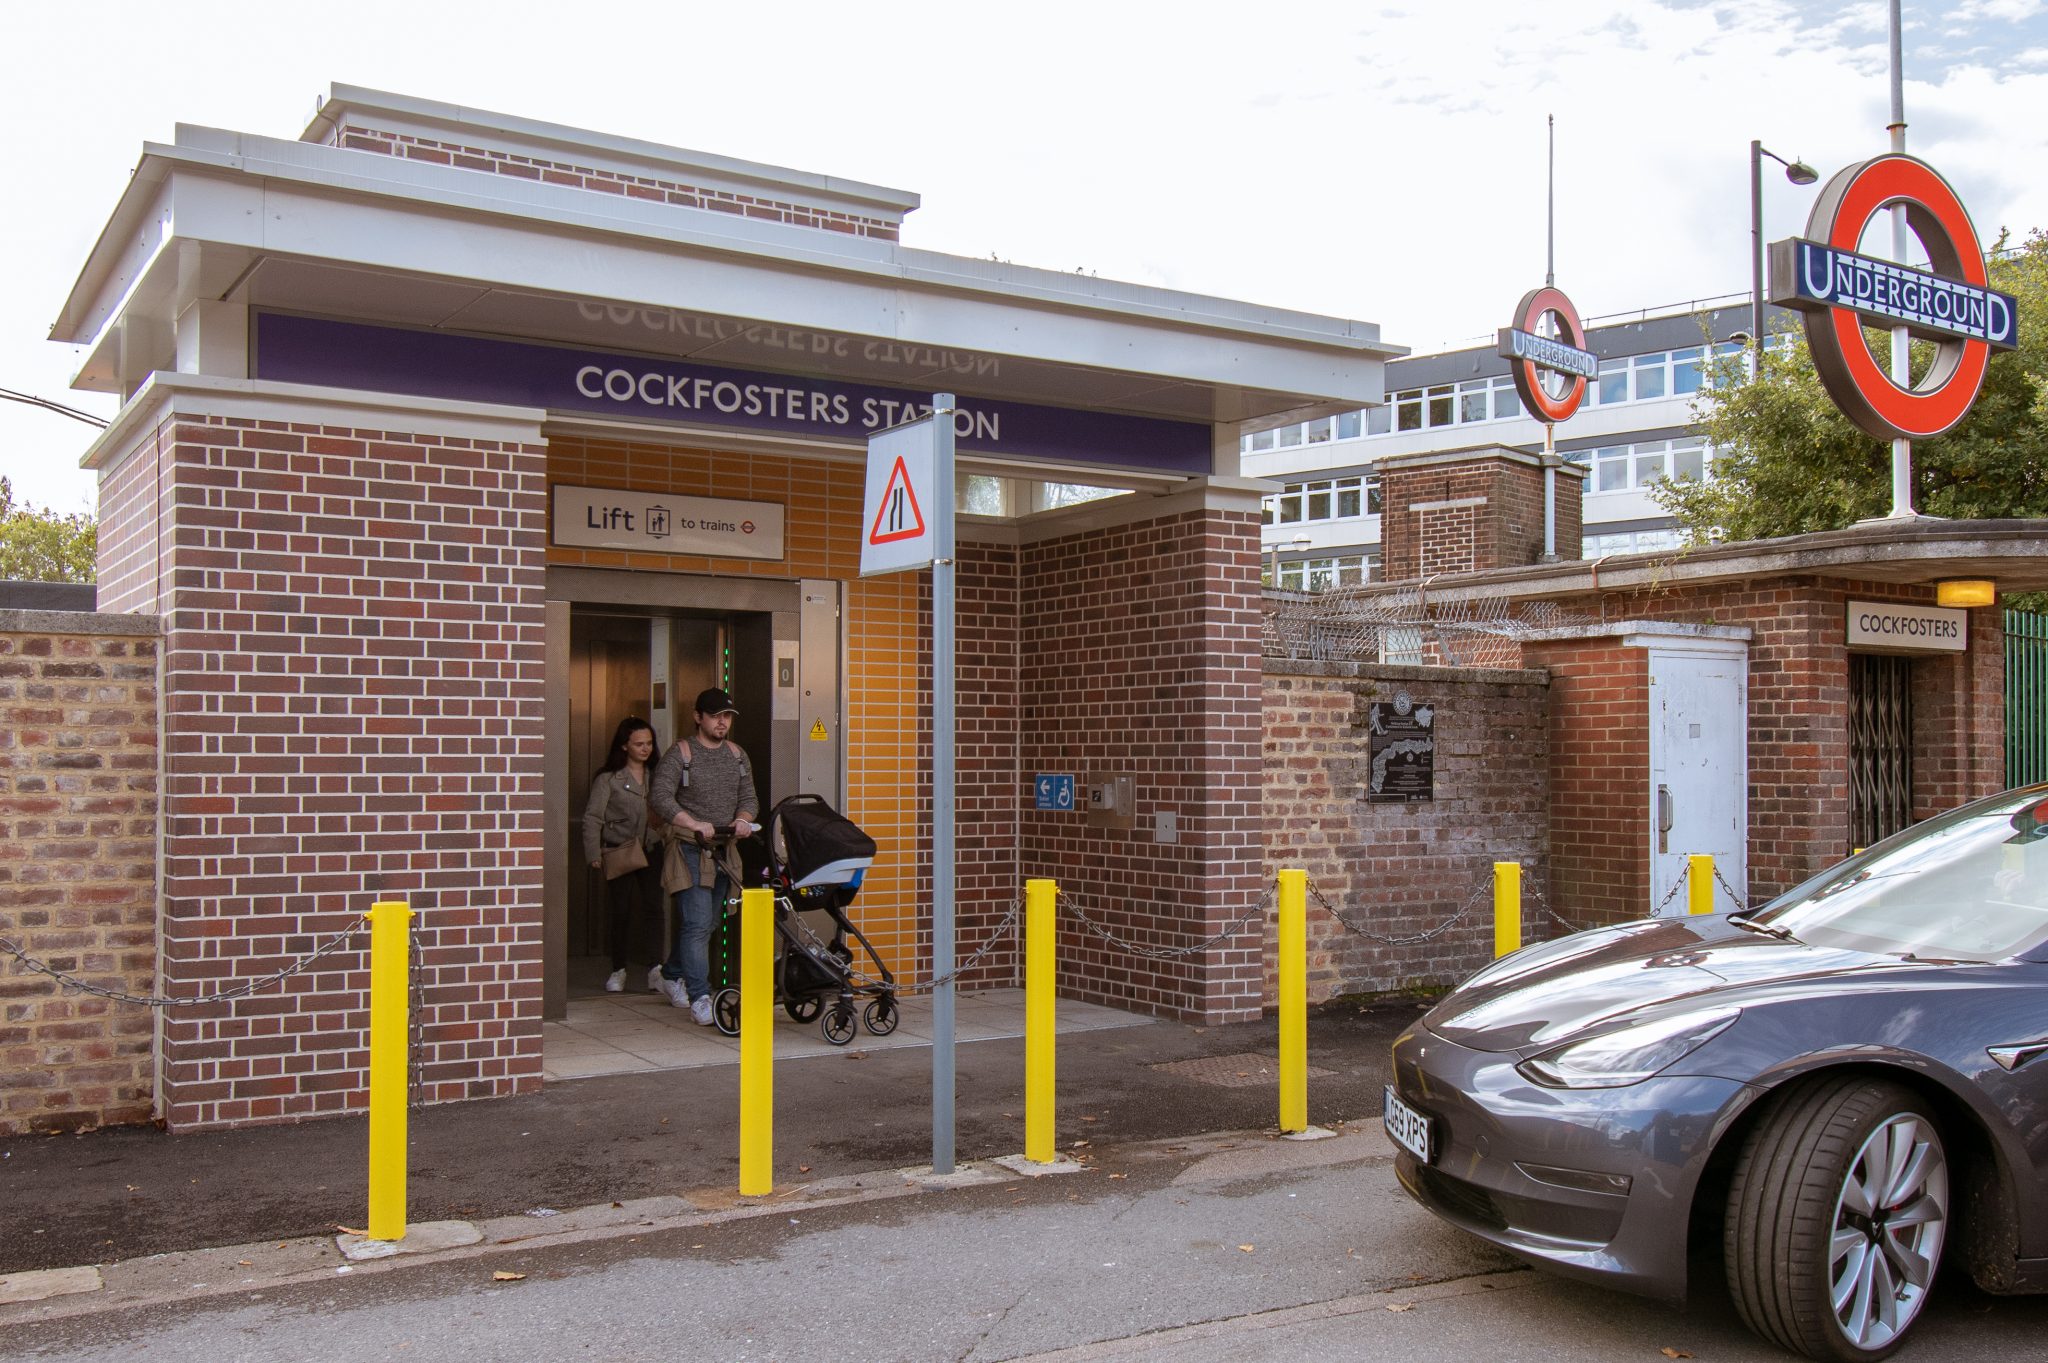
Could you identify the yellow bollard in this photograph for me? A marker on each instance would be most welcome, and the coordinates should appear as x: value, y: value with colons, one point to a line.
x: 1293, y: 973
x: 390, y: 962
x: 1040, y: 909
x: 1507, y: 907
x: 1699, y: 883
x: 757, y: 1042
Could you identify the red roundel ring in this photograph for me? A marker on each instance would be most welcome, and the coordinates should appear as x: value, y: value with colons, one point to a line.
x: 1528, y: 377
x: 1860, y: 386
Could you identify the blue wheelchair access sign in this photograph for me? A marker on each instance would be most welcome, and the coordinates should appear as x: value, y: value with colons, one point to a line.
x: 1055, y: 792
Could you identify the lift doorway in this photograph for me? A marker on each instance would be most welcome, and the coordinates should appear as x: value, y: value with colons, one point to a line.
x: 646, y: 644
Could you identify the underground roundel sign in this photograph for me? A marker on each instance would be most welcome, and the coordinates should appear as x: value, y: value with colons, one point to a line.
x: 1842, y: 292
x: 1550, y: 363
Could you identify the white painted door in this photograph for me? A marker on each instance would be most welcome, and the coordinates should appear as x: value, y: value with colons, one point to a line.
x: 1699, y: 767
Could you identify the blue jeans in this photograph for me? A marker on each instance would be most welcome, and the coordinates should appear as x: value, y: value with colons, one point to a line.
x: 696, y: 910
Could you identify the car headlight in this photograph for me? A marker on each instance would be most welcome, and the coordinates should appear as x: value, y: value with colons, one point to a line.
x: 1630, y: 1055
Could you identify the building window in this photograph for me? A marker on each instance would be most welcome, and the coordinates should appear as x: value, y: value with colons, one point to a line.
x: 1331, y: 499
x: 1623, y: 468
x: 1323, y: 574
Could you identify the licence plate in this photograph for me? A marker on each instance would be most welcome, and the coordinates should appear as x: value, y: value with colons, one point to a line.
x: 1409, y: 1129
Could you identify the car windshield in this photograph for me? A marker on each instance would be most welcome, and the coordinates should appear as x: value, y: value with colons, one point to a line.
x: 1971, y: 885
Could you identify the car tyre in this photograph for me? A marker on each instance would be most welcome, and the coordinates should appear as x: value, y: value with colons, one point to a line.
x: 1836, y: 1218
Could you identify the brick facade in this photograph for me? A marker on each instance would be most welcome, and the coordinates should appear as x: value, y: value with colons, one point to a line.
x: 1599, y: 726
x: 495, y: 161
x: 1140, y: 656
x: 1403, y: 870
x: 1466, y: 511
x: 78, y: 791
x: 352, y: 672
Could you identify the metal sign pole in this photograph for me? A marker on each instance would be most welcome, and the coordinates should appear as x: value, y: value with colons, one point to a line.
x: 1902, y: 341
x: 941, y: 496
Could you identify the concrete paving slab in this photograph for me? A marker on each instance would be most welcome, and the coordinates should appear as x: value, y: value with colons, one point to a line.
x: 44, y: 1283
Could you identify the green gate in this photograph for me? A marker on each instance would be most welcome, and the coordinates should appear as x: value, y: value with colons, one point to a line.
x: 2026, y: 697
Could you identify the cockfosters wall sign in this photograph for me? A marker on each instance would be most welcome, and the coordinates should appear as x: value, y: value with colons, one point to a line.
x: 652, y: 523
x: 1841, y: 292
x: 1887, y: 627
x: 293, y: 349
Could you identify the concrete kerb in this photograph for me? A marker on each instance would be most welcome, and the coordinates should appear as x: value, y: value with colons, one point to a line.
x: 184, y: 1276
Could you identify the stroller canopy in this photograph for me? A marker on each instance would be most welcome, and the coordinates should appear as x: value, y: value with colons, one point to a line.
x: 811, y: 843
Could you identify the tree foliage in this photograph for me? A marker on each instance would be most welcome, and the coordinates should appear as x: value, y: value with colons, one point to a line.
x: 1787, y: 462
x: 41, y: 545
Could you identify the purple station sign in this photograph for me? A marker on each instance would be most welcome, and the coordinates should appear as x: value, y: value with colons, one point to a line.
x: 291, y: 349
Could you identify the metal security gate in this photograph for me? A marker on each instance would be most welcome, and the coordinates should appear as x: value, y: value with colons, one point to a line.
x: 1880, y: 747
x: 2026, y: 698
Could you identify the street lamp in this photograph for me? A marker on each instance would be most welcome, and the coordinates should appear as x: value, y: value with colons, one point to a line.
x: 1298, y: 542
x: 1799, y: 173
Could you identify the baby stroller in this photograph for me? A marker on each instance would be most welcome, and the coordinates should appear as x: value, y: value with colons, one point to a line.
x: 816, y: 858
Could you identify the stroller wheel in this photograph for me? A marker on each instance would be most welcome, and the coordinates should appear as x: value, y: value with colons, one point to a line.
x: 725, y: 1011
x: 839, y: 1025
x: 881, y: 1015
x: 802, y: 1009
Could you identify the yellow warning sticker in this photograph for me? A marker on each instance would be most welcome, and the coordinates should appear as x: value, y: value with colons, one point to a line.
x: 818, y: 734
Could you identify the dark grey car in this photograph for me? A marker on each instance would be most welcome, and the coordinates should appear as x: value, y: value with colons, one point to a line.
x: 1834, y: 1091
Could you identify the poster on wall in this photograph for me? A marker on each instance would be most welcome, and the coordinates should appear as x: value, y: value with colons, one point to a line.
x: 1403, y: 739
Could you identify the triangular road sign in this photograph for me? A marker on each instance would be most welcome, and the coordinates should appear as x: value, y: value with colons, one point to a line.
x: 898, y: 517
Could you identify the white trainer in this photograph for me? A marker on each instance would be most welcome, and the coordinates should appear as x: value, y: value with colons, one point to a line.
x: 677, y: 994
x: 700, y: 1011
x: 654, y: 980
x: 615, y: 983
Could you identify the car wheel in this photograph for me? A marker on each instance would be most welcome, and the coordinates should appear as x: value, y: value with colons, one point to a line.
x: 1836, y: 1217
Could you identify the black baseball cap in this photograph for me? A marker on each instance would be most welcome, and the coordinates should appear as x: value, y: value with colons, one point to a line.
x: 715, y: 702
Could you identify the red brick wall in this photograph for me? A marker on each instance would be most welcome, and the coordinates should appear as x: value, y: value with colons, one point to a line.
x: 1798, y: 712
x: 1500, y: 524
x: 493, y: 161
x: 987, y: 883
x: 353, y: 710
x: 131, y: 527
x: 1600, y: 778
x: 1140, y: 655
x: 1403, y: 871
x: 78, y: 785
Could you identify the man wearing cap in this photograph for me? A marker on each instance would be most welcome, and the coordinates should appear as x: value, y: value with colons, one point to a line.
x: 700, y: 784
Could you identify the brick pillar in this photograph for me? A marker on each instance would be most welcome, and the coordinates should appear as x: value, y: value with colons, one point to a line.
x: 352, y: 677
x: 1457, y: 511
x: 1140, y: 656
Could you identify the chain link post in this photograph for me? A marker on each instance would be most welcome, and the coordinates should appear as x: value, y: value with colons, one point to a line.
x: 1041, y: 910
x: 1293, y: 971
x: 1699, y: 883
x: 390, y: 1037
x: 1507, y: 908
x: 757, y: 1043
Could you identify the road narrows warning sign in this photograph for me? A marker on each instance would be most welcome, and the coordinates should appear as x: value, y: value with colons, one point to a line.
x: 898, y: 518
x: 899, y: 534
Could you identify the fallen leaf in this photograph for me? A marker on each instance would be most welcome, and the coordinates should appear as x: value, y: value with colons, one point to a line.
x: 858, y: 1055
x: 1077, y: 1145
x: 1085, y: 1119
x: 618, y: 1204
x: 501, y: 1276
x: 1401, y: 1306
x: 245, y: 1263
x: 280, y: 1244
x: 1669, y: 1352
x: 1119, y: 1175
x: 351, y: 1230
x: 803, y: 1168
x: 1246, y: 1248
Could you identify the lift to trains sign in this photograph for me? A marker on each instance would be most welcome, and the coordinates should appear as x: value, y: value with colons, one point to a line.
x: 1841, y: 291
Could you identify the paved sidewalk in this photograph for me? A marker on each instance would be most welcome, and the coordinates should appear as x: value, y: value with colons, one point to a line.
x: 124, y: 1193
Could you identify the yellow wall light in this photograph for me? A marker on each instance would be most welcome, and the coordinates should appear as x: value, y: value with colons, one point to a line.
x: 1966, y: 591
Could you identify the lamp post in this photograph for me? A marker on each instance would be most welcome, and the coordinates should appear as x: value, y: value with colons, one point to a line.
x: 1799, y: 173
x: 1298, y: 542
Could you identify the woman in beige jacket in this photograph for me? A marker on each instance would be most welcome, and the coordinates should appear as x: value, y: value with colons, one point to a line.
x: 616, y: 815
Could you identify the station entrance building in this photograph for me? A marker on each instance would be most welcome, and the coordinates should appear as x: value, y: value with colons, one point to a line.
x: 449, y: 438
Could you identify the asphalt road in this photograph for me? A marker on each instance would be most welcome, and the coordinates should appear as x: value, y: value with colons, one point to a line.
x: 1227, y: 1247
x: 122, y: 1193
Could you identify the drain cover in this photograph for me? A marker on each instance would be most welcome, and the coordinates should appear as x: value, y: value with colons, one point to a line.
x: 1233, y: 1071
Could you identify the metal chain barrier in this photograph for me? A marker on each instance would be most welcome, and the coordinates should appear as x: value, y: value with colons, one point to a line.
x: 240, y: 991
x: 1741, y: 900
x: 1258, y: 913
x: 1677, y: 887
x: 1531, y: 896
x: 901, y: 985
x: 1485, y: 887
x: 416, y: 1039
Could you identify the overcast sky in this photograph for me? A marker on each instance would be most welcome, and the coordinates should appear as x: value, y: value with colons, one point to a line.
x: 1376, y: 161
